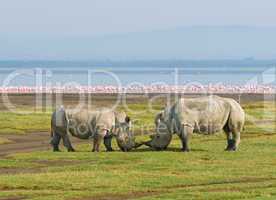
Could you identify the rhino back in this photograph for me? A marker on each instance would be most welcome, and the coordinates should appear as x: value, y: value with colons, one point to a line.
x: 79, y: 115
x: 105, y: 119
x: 206, y: 114
x: 94, y: 118
x: 79, y: 123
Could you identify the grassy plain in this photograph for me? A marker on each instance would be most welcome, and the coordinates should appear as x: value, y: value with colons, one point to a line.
x: 207, y: 172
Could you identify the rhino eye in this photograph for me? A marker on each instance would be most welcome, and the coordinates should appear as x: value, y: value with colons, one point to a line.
x: 71, y: 122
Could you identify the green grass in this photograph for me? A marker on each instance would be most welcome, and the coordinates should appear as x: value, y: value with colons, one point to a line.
x: 207, y: 172
x: 24, y: 121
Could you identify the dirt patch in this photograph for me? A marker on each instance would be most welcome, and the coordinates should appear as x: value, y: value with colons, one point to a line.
x: 244, y: 180
x: 265, y: 121
x: 30, y: 142
x: 134, y: 195
x: 222, y: 190
x: 257, y: 135
x: 7, y: 171
x: 12, y: 198
x: 131, y: 195
x: 25, y: 143
x: 233, y: 189
x: 39, y: 169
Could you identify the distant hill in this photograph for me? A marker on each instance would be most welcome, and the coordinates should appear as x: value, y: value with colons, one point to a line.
x: 204, y: 42
x: 245, y: 64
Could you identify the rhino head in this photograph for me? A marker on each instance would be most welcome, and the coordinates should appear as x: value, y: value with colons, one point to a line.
x: 161, y: 139
x: 125, y: 137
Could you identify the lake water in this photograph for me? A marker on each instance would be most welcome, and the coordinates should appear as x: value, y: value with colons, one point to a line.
x: 56, y: 73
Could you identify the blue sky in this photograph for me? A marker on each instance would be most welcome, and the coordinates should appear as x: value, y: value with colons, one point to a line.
x: 52, y: 29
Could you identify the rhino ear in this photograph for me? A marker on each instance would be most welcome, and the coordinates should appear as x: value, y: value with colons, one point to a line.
x: 157, y: 118
x: 127, y: 119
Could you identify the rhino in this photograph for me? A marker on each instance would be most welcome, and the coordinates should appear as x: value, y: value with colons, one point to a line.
x: 202, y: 115
x: 101, y: 124
x: 124, y: 137
x: 126, y: 140
x: 162, y: 138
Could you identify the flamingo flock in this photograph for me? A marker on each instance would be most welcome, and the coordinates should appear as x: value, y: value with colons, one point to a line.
x: 153, y: 89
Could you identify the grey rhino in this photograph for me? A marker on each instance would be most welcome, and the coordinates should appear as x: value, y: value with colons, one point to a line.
x: 124, y: 137
x: 162, y: 138
x: 84, y: 124
x: 203, y: 115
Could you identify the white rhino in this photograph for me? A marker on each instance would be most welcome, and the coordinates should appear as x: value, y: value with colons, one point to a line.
x: 203, y: 115
x: 84, y: 124
x: 124, y: 137
x: 162, y: 138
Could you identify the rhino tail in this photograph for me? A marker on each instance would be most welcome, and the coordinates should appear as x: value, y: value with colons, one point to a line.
x: 127, y: 119
x: 66, y: 119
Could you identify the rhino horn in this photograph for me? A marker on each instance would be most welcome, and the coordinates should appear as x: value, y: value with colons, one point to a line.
x: 137, y: 145
x: 151, y: 136
x: 148, y: 143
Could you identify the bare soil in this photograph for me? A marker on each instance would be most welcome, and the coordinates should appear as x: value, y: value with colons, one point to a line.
x: 131, y: 195
x: 29, y: 142
x: 12, y: 198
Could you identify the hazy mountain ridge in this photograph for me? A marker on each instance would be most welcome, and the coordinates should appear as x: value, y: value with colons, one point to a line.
x: 228, y: 64
x: 199, y: 42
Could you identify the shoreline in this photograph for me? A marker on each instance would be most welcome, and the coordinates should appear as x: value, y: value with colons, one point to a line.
x: 45, y: 99
x: 193, y: 88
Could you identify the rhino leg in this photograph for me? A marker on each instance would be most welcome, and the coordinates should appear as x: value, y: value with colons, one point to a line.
x: 230, y: 141
x: 230, y: 145
x: 107, y: 142
x: 233, y: 138
x: 237, y: 139
x: 184, y: 136
x: 124, y: 149
x: 185, y: 143
x: 67, y: 143
x: 55, y: 141
x: 96, y: 143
